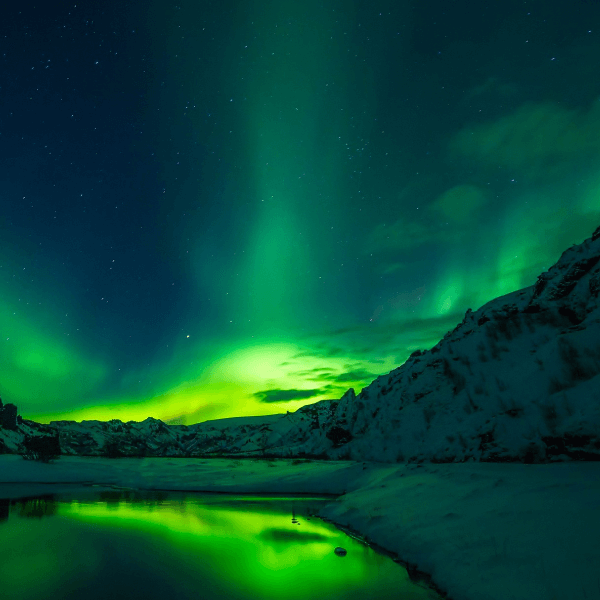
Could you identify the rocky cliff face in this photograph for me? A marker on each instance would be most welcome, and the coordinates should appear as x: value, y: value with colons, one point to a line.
x: 516, y: 380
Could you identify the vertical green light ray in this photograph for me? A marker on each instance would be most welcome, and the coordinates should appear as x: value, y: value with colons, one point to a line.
x: 449, y: 290
x: 294, y: 156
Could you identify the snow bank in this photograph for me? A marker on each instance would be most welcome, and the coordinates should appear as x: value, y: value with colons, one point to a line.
x: 488, y: 531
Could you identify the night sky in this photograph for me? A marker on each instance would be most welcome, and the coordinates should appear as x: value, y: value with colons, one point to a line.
x: 213, y: 209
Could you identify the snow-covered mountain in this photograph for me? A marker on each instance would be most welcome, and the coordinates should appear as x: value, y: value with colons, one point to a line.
x: 516, y: 380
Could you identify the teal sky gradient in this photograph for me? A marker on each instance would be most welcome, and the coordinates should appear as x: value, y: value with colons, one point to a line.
x: 235, y: 208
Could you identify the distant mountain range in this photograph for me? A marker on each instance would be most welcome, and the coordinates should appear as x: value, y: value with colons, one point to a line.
x: 516, y: 380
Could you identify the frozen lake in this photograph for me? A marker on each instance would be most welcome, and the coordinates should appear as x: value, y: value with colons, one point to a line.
x: 126, y: 544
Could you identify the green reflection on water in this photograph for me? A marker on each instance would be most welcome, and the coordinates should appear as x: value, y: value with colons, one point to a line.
x: 152, y: 546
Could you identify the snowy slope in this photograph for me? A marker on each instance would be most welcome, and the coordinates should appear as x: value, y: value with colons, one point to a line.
x: 516, y: 380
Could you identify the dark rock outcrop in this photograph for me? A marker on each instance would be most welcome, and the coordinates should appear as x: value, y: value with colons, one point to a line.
x: 8, y: 416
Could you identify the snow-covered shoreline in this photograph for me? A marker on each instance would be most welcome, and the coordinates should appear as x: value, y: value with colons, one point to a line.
x: 483, y: 531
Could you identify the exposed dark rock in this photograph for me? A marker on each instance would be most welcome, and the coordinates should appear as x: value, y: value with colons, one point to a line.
x: 540, y: 285
x: 339, y: 436
x: 595, y: 284
x: 569, y: 280
x: 577, y: 447
x: 8, y: 417
x: 570, y: 314
x: 43, y: 448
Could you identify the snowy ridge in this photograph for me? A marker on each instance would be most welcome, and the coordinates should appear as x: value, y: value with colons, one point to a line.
x: 152, y: 437
x: 516, y: 380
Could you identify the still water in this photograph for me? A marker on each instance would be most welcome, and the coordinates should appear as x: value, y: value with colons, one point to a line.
x: 129, y: 545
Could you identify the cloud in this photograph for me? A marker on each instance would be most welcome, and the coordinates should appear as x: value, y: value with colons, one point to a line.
x: 405, y: 233
x: 492, y: 87
x: 286, y: 395
x: 389, y: 268
x: 459, y: 203
x: 456, y: 206
x: 536, y: 136
x: 368, y: 343
x: 423, y: 327
x: 311, y: 372
x: 323, y: 349
x: 356, y: 375
x: 286, y: 536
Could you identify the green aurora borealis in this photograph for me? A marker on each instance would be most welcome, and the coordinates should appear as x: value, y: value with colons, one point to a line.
x: 238, y: 208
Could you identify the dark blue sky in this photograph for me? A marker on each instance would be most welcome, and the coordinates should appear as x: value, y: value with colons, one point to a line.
x: 221, y: 208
